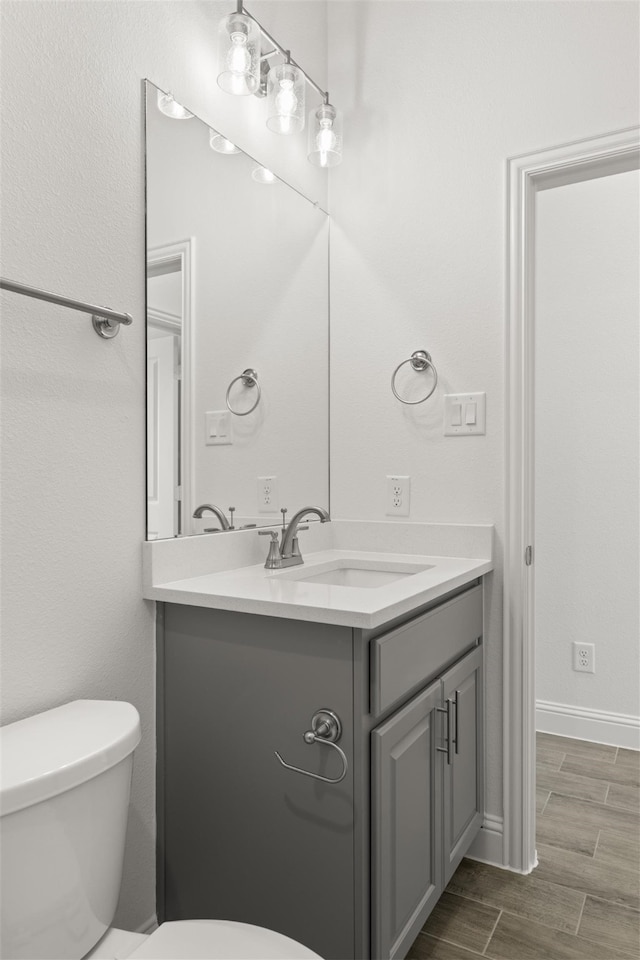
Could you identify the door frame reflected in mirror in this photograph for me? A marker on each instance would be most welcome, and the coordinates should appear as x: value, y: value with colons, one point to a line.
x: 163, y: 259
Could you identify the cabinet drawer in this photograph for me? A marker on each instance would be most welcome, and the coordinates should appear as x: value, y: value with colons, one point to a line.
x: 404, y: 659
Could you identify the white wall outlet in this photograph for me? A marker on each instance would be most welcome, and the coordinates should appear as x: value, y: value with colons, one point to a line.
x: 398, y: 496
x: 584, y: 657
x: 217, y: 427
x: 267, y: 494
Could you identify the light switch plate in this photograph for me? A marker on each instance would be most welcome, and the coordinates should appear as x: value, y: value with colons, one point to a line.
x: 464, y: 414
x: 217, y: 427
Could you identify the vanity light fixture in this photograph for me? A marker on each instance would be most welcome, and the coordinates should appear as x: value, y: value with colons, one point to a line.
x: 171, y: 108
x: 262, y: 175
x: 325, y: 136
x: 220, y: 144
x: 239, y: 48
x: 244, y: 70
x: 285, y: 103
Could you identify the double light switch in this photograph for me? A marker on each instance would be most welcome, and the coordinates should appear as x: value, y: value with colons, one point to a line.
x: 217, y: 427
x: 464, y: 414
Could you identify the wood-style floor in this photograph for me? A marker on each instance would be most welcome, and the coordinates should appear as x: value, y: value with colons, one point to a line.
x: 582, y: 902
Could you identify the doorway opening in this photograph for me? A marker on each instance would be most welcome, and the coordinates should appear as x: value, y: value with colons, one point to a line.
x: 528, y: 175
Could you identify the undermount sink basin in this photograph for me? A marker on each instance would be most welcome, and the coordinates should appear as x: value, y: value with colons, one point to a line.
x: 355, y: 573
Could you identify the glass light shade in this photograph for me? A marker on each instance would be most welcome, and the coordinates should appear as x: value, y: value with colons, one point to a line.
x: 239, y: 52
x: 285, y: 99
x: 220, y: 144
x: 171, y: 108
x: 262, y: 175
x: 325, y: 136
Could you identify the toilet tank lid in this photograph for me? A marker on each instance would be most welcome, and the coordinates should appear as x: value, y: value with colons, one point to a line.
x: 54, y: 751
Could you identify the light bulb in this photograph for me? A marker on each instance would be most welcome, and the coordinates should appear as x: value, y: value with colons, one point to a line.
x: 325, y: 141
x: 285, y: 109
x: 286, y: 103
x: 239, y: 47
x: 238, y: 58
x: 325, y: 136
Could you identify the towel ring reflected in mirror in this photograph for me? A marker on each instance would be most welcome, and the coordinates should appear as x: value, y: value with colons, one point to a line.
x: 420, y: 361
x: 249, y: 379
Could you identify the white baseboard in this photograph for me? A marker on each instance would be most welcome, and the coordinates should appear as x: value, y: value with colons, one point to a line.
x: 617, y: 729
x: 488, y: 846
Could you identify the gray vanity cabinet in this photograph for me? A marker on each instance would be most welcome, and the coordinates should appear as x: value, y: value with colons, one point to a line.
x: 241, y: 837
x: 351, y: 869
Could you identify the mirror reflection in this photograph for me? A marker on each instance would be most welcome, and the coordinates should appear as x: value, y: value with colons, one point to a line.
x: 237, y: 336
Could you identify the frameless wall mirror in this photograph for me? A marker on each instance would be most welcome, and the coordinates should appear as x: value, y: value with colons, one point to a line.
x: 237, y: 335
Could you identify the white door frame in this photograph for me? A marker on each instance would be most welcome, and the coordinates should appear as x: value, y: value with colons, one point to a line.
x: 569, y: 163
x: 183, y: 252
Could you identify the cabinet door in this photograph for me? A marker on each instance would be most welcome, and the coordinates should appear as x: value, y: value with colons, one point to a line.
x: 463, y: 767
x: 406, y: 790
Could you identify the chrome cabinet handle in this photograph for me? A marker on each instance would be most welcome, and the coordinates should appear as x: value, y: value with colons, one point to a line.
x: 325, y: 728
x: 455, y: 735
x: 446, y: 709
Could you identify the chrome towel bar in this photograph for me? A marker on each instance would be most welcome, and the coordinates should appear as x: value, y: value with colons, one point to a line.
x: 105, y: 320
x: 325, y: 728
x: 420, y: 360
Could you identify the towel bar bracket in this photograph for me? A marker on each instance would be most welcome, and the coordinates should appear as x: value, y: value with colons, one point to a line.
x: 105, y: 328
x: 106, y: 322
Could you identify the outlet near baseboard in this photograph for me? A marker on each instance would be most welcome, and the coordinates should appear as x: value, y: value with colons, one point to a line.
x: 584, y: 657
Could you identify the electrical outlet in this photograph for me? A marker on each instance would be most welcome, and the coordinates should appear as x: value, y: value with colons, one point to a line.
x: 584, y: 657
x: 398, y: 496
x: 267, y: 495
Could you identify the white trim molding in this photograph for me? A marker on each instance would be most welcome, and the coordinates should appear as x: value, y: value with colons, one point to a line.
x: 569, y: 163
x: 180, y: 256
x: 488, y: 844
x: 600, y: 726
x: 164, y: 321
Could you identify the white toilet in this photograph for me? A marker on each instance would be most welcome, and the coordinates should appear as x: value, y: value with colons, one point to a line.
x: 64, y: 797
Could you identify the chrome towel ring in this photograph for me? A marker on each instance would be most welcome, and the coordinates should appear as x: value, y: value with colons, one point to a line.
x: 249, y: 378
x: 420, y: 360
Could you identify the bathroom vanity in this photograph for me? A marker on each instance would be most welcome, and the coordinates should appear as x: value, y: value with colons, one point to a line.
x: 319, y: 728
x: 352, y: 868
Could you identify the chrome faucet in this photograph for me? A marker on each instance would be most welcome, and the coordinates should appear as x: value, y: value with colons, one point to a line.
x: 216, y: 511
x: 288, y: 555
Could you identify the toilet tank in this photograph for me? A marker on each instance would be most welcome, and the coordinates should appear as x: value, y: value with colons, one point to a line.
x: 65, y: 777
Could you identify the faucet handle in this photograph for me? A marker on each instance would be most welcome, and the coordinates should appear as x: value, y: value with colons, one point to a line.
x: 273, y: 560
x: 295, y: 546
x: 231, y: 513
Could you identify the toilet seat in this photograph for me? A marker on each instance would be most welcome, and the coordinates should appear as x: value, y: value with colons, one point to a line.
x: 218, y: 940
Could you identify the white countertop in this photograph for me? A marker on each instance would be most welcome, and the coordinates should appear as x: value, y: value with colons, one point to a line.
x: 251, y: 588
